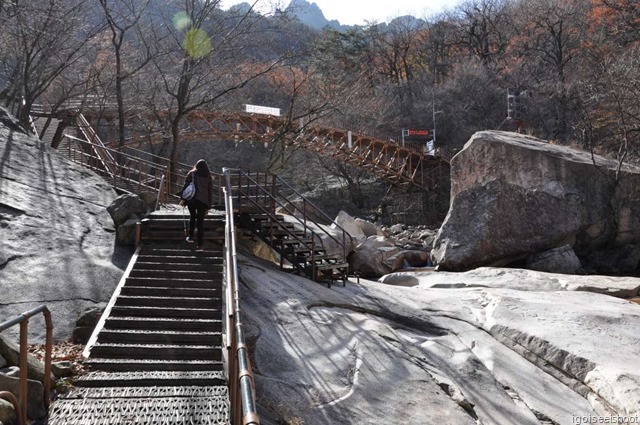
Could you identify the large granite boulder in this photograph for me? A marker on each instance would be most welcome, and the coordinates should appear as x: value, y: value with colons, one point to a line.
x: 514, y: 195
x: 375, y: 257
x: 56, y: 242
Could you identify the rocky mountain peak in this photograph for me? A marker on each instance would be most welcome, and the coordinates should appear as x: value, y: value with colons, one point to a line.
x: 310, y: 14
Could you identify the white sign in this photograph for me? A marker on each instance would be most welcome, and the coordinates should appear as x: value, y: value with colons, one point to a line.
x: 265, y: 110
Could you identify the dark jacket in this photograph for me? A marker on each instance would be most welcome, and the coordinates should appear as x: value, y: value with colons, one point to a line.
x: 204, y: 188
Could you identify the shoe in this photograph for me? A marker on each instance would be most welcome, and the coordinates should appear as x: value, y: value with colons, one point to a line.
x: 189, y: 240
x: 199, y: 249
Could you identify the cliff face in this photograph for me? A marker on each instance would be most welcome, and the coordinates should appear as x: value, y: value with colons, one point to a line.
x: 57, y: 241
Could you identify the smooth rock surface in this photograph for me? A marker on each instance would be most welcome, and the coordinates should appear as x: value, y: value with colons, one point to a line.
x: 520, y: 350
x: 54, y: 248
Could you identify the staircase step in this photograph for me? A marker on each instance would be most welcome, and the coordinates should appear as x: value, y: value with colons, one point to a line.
x: 148, y: 379
x: 143, y: 263
x: 291, y: 242
x: 179, y: 292
x: 148, y: 301
x: 121, y: 336
x: 214, y: 281
x: 132, y: 365
x: 173, y: 313
x: 173, y: 274
x: 156, y: 351
x: 161, y: 323
x: 179, y: 259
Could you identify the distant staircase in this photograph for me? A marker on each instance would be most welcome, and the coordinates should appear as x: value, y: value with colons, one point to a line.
x: 157, y: 355
x: 300, y: 242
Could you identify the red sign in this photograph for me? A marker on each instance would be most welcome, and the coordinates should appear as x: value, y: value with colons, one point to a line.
x: 418, y: 132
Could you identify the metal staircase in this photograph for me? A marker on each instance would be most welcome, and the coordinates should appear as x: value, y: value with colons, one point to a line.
x: 157, y: 354
x: 302, y: 242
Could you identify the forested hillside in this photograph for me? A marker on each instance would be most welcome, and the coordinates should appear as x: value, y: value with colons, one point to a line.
x: 570, y: 66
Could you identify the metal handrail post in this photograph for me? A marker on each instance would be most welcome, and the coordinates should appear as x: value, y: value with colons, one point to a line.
x: 22, y: 392
x: 23, y: 321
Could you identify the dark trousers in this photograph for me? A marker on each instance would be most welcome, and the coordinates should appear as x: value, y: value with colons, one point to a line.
x: 197, y: 211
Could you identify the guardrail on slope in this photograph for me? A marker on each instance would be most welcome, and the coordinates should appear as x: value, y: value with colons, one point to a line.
x: 238, y: 364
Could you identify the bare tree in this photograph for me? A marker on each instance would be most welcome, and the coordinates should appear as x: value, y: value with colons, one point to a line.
x: 38, y: 46
x: 482, y: 26
x: 201, y: 60
x: 123, y: 18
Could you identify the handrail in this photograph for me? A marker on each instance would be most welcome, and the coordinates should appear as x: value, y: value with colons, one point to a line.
x: 23, y: 320
x: 303, y: 222
x: 98, y: 146
x: 272, y: 216
x: 318, y: 210
x: 141, y: 172
x: 241, y: 382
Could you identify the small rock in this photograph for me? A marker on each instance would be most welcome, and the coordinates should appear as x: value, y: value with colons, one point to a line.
x: 35, y: 394
x: 62, y: 369
x: 558, y: 260
x: 124, y: 206
x: 11, y: 351
x: 90, y: 316
x: 396, y: 229
x: 11, y: 371
x: 7, y: 414
x: 126, y: 232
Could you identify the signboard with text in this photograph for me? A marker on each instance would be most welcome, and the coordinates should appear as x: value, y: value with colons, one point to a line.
x: 264, y: 110
x: 410, y: 132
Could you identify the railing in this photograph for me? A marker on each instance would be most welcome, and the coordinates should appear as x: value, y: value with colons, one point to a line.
x: 238, y: 364
x: 23, y: 320
x: 137, y: 174
x: 318, y: 212
x: 250, y: 191
x: 106, y: 157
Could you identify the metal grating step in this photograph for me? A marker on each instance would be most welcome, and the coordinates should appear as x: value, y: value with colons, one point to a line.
x: 180, y: 259
x: 142, y: 411
x: 144, y: 264
x: 151, y: 378
x: 136, y: 392
x: 172, y: 274
x: 171, y: 292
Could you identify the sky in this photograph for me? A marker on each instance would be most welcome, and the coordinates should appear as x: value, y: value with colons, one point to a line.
x: 356, y: 12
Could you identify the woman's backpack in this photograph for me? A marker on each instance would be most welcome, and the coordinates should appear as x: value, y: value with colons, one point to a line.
x: 190, y: 191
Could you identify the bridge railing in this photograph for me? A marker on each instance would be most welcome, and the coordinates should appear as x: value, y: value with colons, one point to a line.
x: 238, y: 363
